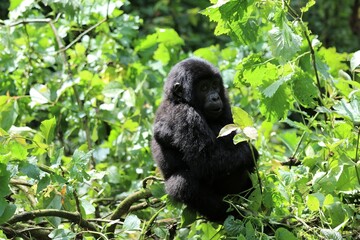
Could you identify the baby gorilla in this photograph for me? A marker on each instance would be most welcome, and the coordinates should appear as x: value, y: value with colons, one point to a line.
x: 199, y: 168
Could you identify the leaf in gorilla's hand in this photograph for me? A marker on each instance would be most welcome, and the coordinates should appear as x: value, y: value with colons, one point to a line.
x: 250, y: 132
x: 241, y: 118
x: 226, y: 130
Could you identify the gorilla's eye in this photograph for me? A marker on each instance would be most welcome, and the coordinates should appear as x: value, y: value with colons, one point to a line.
x: 204, y: 87
x: 215, y: 85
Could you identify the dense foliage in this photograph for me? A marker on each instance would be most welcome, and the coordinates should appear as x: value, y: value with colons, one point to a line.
x: 80, y: 82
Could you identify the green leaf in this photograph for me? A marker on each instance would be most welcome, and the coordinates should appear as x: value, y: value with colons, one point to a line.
x: 271, y: 90
x: 304, y: 89
x: 79, y: 165
x: 331, y: 234
x: 284, y: 43
x: 209, y: 53
x: 256, y: 76
x: 113, y: 89
x: 347, y: 178
x: 209, y: 232
x: 39, y: 95
x: 336, y: 214
x: 169, y: 37
x: 312, y: 202
x: 255, y: 200
x: 62, y: 234
x: 17, y: 150
x: 131, y: 222
x: 355, y: 61
x: 30, y: 170
x: 7, y: 210
x: 250, y: 132
x: 87, y: 206
x: 329, y: 199
x: 284, y: 234
x: 157, y: 190
x: 47, y: 128
x: 131, y: 126
x: 14, y: 4
x: 277, y: 106
x: 234, y: 18
x: 250, y: 231
x: 188, y: 216
x: 8, y: 112
x: 238, y: 138
x: 308, y: 5
x: 233, y: 226
x: 241, y: 118
x: 162, y: 54
x: 4, y: 180
x: 350, y: 110
x: 129, y: 97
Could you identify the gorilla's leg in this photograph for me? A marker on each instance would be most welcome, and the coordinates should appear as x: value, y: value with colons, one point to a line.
x: 185, y: 188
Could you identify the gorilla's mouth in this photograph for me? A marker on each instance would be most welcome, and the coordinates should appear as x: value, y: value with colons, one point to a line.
x: 215, y: 111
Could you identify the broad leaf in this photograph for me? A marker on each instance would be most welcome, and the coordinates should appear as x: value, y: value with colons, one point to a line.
x: 131, y: 222
x: 349, y: 110
x: 355, y: 61
x: 284, y: 43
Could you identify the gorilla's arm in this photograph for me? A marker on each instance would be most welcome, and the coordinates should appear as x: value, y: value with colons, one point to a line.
x: 180, y: 128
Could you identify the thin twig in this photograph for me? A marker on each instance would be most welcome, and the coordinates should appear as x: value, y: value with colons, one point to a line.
x: 82, y: 34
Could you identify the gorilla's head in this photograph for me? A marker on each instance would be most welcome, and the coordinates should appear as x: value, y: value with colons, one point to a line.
x: 198, y: 83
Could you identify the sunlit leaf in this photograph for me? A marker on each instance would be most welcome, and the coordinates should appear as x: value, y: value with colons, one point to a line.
x: 241, y: 118
x: 39, y: 94
x: 271, y: 90
x: 277, y: 106
x: 284, y: 43
x: 308, y: 5
x: 18, y: 151
x: 355, y: 61
x: 87, y: 206
x: 349, y: 110
x: 226, y: 130
x: 312, y: 202
x: 47, y: 128
x: 251, y: 133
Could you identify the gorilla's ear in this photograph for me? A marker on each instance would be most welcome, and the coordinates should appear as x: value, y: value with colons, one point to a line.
x: 178, y: 90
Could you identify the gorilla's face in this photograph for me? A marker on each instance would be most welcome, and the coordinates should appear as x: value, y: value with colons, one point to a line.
x: 199, y: 84
x: 209, y: 100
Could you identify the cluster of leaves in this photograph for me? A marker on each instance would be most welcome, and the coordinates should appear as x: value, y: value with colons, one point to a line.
x: 79, y: 86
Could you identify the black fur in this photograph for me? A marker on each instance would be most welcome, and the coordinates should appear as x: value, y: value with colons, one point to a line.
x: 199, y: 168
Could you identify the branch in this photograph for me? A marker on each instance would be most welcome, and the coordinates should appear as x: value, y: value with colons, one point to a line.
x: 153, y: 178
x: 26, y: 232
x: 72, y: 217
x: 30, y: 20
x: 124, y: 207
